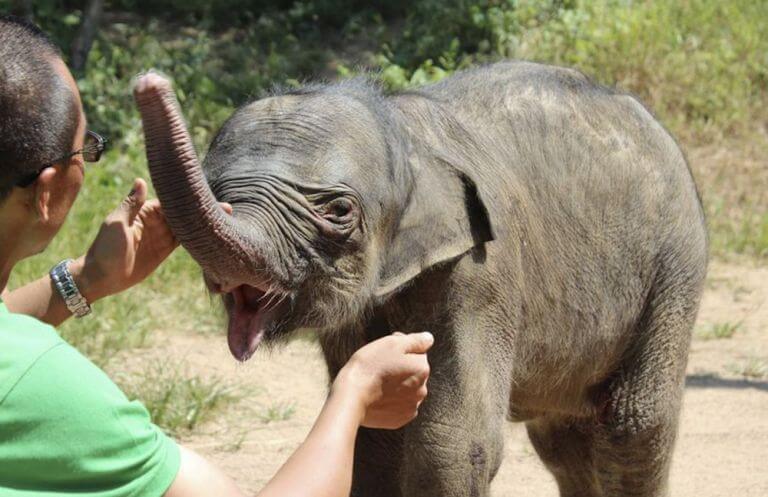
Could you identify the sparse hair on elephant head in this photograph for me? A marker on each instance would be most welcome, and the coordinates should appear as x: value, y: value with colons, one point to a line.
x: 338, y: 201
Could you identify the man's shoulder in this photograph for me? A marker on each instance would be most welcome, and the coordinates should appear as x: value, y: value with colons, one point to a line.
x: 65, y: 424
x: 36, y: 363
x: 23, y: 340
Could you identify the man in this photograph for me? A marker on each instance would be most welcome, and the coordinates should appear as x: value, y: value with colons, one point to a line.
x: 65, y: 428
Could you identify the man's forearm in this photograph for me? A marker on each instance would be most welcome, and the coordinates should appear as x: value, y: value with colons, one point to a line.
x: 41, y: 300
x: 376, y: 386
x: 322, y: 465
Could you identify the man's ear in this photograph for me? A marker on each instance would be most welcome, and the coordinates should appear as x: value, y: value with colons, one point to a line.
x: 44, y: 193
x: 446, y: 217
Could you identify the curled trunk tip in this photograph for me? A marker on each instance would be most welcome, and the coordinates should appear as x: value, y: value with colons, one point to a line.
x: 151, y: 84
x: 211, y: 236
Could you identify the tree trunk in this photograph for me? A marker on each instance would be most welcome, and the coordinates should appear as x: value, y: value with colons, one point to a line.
x: 84, y: 40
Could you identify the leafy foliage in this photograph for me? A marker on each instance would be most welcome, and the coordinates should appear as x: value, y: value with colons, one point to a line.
x: 701, y: 65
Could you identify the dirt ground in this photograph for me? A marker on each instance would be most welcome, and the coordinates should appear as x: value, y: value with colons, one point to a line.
x: 722, y: 448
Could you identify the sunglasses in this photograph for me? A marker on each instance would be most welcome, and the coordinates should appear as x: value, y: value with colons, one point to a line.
x: 93, y: 147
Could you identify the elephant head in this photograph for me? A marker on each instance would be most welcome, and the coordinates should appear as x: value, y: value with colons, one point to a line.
x: 336, y: 205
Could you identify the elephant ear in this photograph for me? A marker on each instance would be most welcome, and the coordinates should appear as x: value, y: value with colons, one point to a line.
x: 445, y: 217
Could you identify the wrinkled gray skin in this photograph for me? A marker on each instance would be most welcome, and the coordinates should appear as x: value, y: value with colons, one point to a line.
x: 546, y: 230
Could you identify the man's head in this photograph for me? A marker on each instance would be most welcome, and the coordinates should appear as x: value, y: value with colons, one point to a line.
x: 41, y: 124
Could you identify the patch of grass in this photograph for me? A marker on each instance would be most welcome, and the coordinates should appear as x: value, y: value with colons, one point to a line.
x: 178, y: 401
x: 753, y: 368
x: 102, y: 335
x: 739, y: 231
x: 277, y: 412
x: 740, y: 292
x: 237, y: 442
x: 719, y: 330
x: 749, y: 236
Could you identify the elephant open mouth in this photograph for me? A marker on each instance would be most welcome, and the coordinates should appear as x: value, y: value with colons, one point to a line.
x: 252, y: 312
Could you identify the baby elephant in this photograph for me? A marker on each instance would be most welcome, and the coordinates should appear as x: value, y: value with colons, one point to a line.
x: 545, y: 229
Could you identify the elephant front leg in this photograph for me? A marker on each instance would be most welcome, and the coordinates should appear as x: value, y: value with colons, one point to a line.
x: 454, y: 448
x: 445, y: 460
x: 378, y: 457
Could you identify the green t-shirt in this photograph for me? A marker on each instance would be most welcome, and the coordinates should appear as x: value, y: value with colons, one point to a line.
x: 66, y: 428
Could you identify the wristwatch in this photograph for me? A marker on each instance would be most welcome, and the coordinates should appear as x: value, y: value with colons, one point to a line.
x: 65, y: 285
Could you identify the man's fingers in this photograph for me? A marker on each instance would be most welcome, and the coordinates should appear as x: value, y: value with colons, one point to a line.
x: 413, y: 373
x: 152, y: 218
x: 133, y: 202
x: 227, y: 207
x: 153, y: 205
x: 418, y: 380
x: 417, y: 343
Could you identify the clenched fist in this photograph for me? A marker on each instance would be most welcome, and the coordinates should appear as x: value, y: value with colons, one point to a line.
x: 389, y: 377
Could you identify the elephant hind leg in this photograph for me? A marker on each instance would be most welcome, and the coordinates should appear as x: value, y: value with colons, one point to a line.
x: 626, y: 451
x: 566, y: 447
x: 633, y: 446
x: 632, y: 456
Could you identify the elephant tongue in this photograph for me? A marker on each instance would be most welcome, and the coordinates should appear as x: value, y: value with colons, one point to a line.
x: 246, y: 322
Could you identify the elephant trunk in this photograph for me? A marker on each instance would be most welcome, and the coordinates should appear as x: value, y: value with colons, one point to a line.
x: 211, y: 236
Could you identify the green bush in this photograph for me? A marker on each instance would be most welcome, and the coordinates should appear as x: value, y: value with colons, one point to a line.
x: 211, y: 74
x: 701, y: 65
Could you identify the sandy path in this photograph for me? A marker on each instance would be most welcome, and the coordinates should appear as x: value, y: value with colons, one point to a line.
x: 722, y: 448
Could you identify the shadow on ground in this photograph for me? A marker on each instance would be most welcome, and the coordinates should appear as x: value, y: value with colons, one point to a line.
x: 714, y: 381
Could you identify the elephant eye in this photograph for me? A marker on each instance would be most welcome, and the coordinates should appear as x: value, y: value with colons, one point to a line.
x: 339, y: 208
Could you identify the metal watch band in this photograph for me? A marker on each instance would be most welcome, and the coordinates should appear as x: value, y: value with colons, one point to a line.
x: 65, y: 285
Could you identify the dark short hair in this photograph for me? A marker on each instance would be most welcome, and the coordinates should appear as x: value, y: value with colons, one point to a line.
x: 38, y: 110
